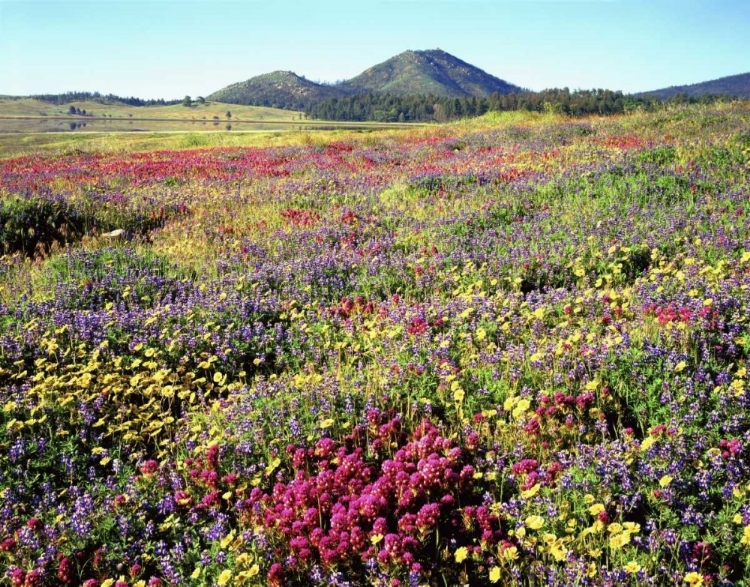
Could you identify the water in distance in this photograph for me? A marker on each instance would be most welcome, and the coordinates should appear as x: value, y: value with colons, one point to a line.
x: 46, y: 125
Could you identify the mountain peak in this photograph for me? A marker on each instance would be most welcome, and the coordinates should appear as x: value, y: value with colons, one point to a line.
x: 429, y: 71
x: 437, y: 51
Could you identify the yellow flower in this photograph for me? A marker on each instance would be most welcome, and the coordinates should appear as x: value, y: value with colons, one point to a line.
x: 647, y: 442
x: 494, y: 574
x: 632, y: 567
x: 596, y: 509
x: 694, y: 579
x: 614, y: 528
x: 664, y: 481
x: 679, y: 367
x: 534, y: 522
x: 461, y: 554
x: 224, y: 577
x: 737, y: 519
x: 241, y: 560
x: 521, y: 407
x: 458, y: 395
x: 558, y: 551
x: 510, y: 553
x: 548, y: 538
x: 619, y: 540
x: 531, y: 491
x: 226, y: 541
x: 327, y: 423
x: 746, y: 536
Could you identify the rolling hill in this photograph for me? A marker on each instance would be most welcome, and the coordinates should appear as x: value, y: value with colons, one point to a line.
x: 32, y: 108
x: 409, y: 73
x: 427, y: 72
x: 733, y: 85
x: 278, y: 89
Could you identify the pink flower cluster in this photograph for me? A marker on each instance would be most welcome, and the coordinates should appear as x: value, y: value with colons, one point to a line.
x: 342, y: 509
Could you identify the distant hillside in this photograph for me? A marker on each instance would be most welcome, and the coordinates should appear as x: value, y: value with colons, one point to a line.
x: 278, y: 89
x: 198, y: 112
x: 98, y: 98
x: 733, y: 85
x: 434, y: 72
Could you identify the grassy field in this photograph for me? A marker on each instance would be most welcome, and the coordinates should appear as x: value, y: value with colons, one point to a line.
x: 35, y: 108
x: 58, y: 143
x: 31, y: 126
x: 49, y: 144
x: 507, y: 351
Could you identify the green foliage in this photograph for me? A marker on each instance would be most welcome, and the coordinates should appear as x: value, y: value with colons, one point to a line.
x: 659, y: 155
x: 33, y: 225
x: 28, y: 224
x: 68, y: 97
x: 386, y: 107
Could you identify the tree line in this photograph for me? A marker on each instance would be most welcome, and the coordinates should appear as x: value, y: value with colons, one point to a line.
x: 429, y: 108
x: 66, y: 98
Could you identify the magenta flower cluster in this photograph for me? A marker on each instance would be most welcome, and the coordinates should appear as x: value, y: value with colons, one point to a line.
x: 349, y: 504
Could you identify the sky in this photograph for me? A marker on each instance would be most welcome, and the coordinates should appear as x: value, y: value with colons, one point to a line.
x: 169, y: 49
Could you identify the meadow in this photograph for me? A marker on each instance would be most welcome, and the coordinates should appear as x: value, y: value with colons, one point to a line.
x: 29, y: 126
x: 509, y: 351
x: 32, y: 108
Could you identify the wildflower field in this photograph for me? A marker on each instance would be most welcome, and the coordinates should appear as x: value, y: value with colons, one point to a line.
x: 504, y: 352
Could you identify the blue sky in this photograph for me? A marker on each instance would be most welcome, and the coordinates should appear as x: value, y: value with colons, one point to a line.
x: 168, y: 49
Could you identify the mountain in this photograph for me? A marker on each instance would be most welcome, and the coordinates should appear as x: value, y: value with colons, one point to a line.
x: 278, y: 89
x: 409, y: 73
x: 733, y: 85
x: 427, y: 72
